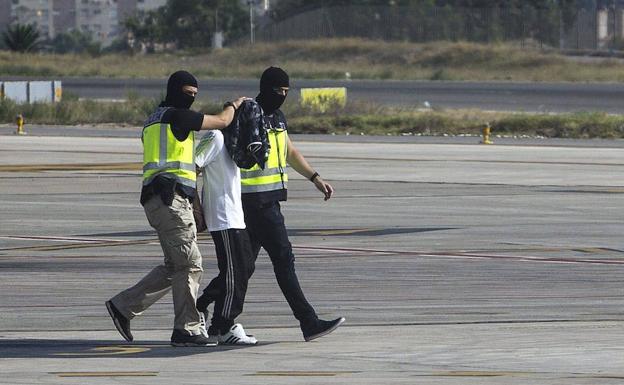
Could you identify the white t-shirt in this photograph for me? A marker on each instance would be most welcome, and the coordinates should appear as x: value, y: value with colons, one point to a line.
x: 221, y: 197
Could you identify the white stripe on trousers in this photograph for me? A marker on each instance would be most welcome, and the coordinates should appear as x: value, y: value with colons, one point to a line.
x: 229, y: 277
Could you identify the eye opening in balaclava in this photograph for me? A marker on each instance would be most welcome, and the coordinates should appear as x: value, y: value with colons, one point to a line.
x: 269, y: 100
x: 176, y: 97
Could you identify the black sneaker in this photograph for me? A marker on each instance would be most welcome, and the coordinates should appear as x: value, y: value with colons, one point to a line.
x: 182, y: 338
x: 121, y: 323
x: 320, y: 328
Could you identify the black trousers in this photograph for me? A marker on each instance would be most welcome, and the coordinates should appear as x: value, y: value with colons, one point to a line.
x: 266, y: 228
x: 228, y: 289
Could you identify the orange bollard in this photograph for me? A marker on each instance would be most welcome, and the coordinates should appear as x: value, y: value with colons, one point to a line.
x: 486, y: 134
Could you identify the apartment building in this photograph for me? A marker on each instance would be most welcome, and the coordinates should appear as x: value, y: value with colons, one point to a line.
x: 103, y: 18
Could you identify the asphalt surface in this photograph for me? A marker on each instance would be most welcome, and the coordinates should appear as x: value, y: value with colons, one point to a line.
x: 496, y: 96
x: 454, y: 263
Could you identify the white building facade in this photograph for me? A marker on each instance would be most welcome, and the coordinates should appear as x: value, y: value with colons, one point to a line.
x: 102, y: 18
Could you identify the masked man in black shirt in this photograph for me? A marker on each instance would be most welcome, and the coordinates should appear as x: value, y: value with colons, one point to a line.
x: 262, y: 190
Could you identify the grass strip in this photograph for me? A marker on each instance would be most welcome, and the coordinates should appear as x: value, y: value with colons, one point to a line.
x: 331, y: 59
x: 354, y: 119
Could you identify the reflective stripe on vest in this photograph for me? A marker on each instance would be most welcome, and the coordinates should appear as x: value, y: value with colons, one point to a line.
x: 274, y: 176
x: 164, y: 154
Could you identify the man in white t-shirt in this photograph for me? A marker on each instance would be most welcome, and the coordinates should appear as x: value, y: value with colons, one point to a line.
x: 224, y: 217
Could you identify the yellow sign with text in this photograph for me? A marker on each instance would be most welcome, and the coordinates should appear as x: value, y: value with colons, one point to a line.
x: 323, y: 99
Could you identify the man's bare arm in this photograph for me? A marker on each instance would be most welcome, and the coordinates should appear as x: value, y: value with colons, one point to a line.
x: 296, y: 160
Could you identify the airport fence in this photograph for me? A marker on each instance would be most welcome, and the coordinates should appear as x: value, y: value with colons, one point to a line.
x: 565, y: 29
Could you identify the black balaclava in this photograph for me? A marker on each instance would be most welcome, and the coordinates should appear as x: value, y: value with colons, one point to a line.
x: 175, y: 96
x: 268, y: 99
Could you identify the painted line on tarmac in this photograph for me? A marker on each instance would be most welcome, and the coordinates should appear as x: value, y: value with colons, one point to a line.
x: 72, y: 151
x: 537, y: 259
x: 587, y: 250
x: 59, y: 239
x: 298, y: 373
x: 469, y: 160
x: 94, y: 242
x: 200, y: 236
x: 79, y: 245
x: 76, y: 243
x: 136, y: 166
x: 124, y: 166
x: 105, y: 374
x: 467, y: 255
x: 491, y: 373
x: 477, y: 373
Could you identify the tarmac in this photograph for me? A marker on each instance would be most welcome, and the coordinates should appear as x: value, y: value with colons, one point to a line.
x: 453, y: 263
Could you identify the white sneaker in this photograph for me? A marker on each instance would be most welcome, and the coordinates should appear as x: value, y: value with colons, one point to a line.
x: 236, y: 336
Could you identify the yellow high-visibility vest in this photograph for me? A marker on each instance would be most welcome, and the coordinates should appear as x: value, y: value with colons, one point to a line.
x: 274, y: 176
x: 164, y: 155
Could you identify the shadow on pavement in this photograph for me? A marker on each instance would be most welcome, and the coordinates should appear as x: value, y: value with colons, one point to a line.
x: 65, y: 348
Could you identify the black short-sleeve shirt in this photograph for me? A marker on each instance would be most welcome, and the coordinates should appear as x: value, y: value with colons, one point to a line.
x: 183, y: 121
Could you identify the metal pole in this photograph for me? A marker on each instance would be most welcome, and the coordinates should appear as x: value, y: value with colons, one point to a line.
x: 561, y: 27
x: 578, y: 29
x: 613, y: 30
x: 251, y: 22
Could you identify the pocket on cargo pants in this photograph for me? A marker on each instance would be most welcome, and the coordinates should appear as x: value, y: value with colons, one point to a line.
x: 176, y: 229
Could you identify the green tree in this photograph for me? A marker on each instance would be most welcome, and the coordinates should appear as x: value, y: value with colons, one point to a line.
x: 75, y: 41
x: 192, y: 23
x: 22, y: 37
x: 189, y: 23
x: 147, y: 28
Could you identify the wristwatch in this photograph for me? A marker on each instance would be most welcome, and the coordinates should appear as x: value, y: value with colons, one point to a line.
x: 227, y: 104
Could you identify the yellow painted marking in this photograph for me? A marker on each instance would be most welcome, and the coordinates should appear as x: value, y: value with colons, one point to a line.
x: 478, y: 373
x: 590, y: 250
x: 285, y: 373
x: 105, y: 374
x: 109, y: 351
x: 125, y: 166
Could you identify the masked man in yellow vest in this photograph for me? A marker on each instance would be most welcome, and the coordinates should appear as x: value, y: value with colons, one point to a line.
x: 262, y: 190
x: 167, y: 193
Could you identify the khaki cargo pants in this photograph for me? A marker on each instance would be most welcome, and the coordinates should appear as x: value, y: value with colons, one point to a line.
x: 181, y: 271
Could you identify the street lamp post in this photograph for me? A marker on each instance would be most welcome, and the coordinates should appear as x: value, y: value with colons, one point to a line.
x: 251, y: 4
